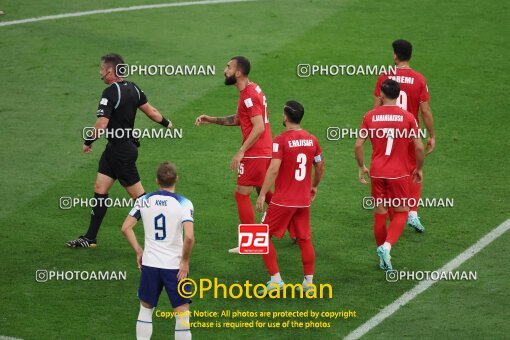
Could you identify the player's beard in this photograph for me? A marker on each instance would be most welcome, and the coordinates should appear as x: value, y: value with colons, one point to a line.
x: 230, y: 80
x: 284, y: 124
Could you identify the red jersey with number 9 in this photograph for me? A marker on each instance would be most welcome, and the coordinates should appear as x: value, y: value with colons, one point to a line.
x: 298, y: 150
x: 413, y: 89
x: 391, y: 131
x: 252, y: 102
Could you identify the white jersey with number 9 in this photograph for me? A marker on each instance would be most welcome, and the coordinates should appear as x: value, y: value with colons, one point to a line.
x: 163, y: 214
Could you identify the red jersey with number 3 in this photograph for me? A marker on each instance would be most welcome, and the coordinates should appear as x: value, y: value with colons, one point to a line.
x: 390, y: 148
x: 252, y: 102
x: 413, y: 89
x: 298, y: 150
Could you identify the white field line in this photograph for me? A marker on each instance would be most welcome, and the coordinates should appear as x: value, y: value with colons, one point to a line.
x: 424, y: 285
x: 118, y: 9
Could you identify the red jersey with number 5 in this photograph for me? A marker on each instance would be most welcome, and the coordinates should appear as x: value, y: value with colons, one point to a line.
x: 252, y: 102
x: 413, y: 89
x: 298, y: 150
x: 391, y: 132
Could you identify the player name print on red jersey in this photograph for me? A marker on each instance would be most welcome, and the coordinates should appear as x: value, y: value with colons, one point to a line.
x: 413, y: 89
x: 402, y: 79
x: 298, y: 150
x: 300, y: 142
x: 387, y: 118
x: 390, y: 150
x: 252, y: 102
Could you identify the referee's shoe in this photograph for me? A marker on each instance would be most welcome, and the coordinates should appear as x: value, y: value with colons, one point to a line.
x: 82, y: 242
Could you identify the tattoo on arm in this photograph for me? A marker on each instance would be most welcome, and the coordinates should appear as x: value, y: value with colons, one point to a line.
x: 228, y: 120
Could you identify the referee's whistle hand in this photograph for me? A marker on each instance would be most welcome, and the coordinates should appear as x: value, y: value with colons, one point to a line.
x: 87, y: 148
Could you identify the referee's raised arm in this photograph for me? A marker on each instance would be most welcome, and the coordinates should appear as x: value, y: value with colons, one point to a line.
x: 155, y: 115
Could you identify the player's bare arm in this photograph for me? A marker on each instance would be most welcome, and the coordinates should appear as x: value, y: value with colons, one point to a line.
x: 232, y: 120
x: 127, y: 230
x: 271, y: 174
x: 419, y: 149
x: 358, y: 154
x: 256, y: 131
x: 319, y: 170
x: 101, y: 124
x: 153, y: 113
x: 428, y: 120
x: 189, y: 241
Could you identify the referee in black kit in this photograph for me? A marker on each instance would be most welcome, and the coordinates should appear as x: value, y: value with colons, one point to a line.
x: 116, y: 119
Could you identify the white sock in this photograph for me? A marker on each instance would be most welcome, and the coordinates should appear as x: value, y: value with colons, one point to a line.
x: 308, y: 280
x: 387, y: 245
x: 413, y: 213
x: 182, y: 330
x: 276, y: 278
x: 144, y: 323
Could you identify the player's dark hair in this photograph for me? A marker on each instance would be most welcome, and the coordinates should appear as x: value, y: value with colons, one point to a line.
x: 403, y: 49
x: 294, y: 111
x: 167, y: 174
x: 113, y: 60
x: 390, y: 88
x: 243, y: 64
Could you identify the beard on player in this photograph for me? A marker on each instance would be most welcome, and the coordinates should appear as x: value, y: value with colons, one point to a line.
x: 230, y: 80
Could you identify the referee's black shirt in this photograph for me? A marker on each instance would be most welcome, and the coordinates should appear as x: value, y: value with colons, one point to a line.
x: 119, y: 103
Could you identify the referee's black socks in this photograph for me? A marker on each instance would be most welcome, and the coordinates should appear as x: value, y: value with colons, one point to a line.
x: 97, y: 215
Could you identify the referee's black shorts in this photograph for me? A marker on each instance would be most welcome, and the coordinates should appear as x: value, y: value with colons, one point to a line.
x: 118, y: 161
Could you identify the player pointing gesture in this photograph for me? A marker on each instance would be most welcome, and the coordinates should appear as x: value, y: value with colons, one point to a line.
x: 252, y: 159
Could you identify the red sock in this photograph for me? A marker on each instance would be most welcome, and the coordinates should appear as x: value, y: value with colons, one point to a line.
x: 307, y: 255
x: 415, y: 194
x: 396, y: 227
x: 270, y: 260
x: 380, y: 228
x: 245, y: 209
x: 269, y: 195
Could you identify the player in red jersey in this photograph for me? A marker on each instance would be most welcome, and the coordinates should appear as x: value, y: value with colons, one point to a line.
x: 414, y: 97
x: 252, y: 159
x: 294, y: 153
x: 392, y: 132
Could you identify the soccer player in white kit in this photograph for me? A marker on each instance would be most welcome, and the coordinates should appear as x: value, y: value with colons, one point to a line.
x: 168, y: 224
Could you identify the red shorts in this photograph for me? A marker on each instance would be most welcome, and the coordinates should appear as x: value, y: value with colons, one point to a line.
x: 252, y: 171
x: 391, y: 188
x: 281, y: 218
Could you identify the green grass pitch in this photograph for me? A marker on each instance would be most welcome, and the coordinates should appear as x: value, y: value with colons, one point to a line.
x: 50, y: 87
